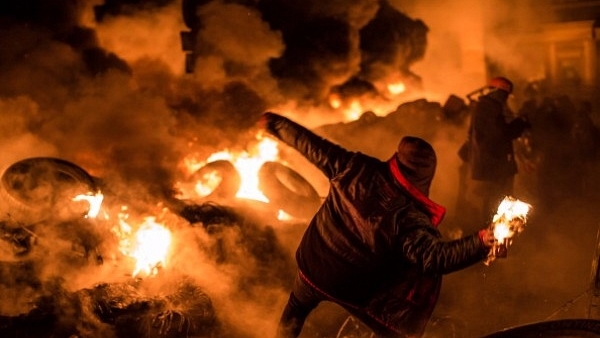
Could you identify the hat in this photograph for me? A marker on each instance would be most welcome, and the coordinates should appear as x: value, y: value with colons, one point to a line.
x: 417, y: 161
x: 501, y: 83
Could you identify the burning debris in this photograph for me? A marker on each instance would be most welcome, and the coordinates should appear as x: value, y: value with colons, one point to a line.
x: 116, y: 310
x: 45, y: 255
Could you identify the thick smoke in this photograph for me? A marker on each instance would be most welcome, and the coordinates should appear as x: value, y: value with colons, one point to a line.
x: 106, y: 85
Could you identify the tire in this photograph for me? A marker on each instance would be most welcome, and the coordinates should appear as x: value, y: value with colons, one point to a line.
x: 41, y: 188
x: 229, y: 180
x: 287, y: 189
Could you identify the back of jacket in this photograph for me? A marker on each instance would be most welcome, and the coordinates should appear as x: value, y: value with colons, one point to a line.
x: 492, y: 155
x: 372, y: 244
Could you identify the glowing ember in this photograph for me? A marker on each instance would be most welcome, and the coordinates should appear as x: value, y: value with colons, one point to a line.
x: 509, y: 220
x: 148, y: 246
x: 95, y: 201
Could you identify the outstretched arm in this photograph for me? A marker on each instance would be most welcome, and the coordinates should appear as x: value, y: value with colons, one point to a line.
x: 330, y: 158
x: 424, y: 247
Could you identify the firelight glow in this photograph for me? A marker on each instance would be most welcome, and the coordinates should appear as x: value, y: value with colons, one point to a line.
x: 396, y: 88
x: 149, y: 245
x: 247, y: 164
x: 510, y: 218
x: 95, y: 201
x: 353, y: 111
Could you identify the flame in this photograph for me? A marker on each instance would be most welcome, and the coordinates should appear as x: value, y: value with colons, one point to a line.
x: 335, y: 101
x: 95, y: 201
x: 510, y: 218
x: 149, y: 246
x: 396, y: 88
x: 210, y: 181
x: 247, y: 164
x: 353, y: 111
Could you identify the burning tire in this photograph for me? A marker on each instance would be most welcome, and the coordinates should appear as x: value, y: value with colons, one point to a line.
x: 220, y: 178
x: 288, y: 190
x: 39, y: 188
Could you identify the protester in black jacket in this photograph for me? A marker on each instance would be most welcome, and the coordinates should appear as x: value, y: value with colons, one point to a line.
x: 373, y: 247
x: 492, y: 160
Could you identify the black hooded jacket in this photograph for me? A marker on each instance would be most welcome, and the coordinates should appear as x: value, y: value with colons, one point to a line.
x: 373, y: 245
x: 492, y: 154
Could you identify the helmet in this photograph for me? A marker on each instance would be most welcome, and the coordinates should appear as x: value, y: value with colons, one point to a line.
x: 501, y: 83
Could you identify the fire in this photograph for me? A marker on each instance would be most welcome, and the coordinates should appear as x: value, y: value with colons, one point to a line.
x: 149, y: 246
x: 247, y: 164
x: 396, y: 88
x: 335, y: 101
x: 353, y: 111
x: 509, y: 220
x: 95, y: 201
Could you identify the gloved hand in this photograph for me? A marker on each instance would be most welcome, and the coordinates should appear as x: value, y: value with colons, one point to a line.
x: 487, y: 237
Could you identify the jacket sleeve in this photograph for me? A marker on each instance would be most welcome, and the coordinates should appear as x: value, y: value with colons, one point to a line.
x: 517, y: 126
x: 424, y: 247
x: 487, y: 124
x: 330, y: 158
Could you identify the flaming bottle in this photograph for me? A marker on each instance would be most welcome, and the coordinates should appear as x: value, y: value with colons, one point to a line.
x: 509, y: 220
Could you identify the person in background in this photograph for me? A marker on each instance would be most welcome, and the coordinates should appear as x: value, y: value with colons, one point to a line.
x: 491, y: 159
x: 373, y: 247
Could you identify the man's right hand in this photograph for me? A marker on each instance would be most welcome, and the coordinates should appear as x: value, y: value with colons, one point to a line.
x: 487, y: 237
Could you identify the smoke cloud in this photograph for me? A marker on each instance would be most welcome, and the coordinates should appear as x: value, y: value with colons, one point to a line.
x: 107, y: 85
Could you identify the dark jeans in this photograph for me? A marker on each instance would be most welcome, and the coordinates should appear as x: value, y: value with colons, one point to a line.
x: 304, y: 298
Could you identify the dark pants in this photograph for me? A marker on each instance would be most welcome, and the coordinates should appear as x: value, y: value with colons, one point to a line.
x: 304, y: 298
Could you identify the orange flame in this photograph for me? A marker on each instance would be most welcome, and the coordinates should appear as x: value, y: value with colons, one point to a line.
x: 396, y: 88
x: 149, y: 246
x: 95, y: 201
x: 509, y: 220
x: 247, y: 164
x: 354, y: 110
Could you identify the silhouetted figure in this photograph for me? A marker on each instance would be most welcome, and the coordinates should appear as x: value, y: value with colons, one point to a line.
x: 492, y: 164
x: 563, y: 142
x: 373, y: 247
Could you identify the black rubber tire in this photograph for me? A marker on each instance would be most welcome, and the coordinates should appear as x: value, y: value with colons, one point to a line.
x: 288, y: 190
x: 41, y: 188
x: 555, y: 328
x: 229, y: 184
